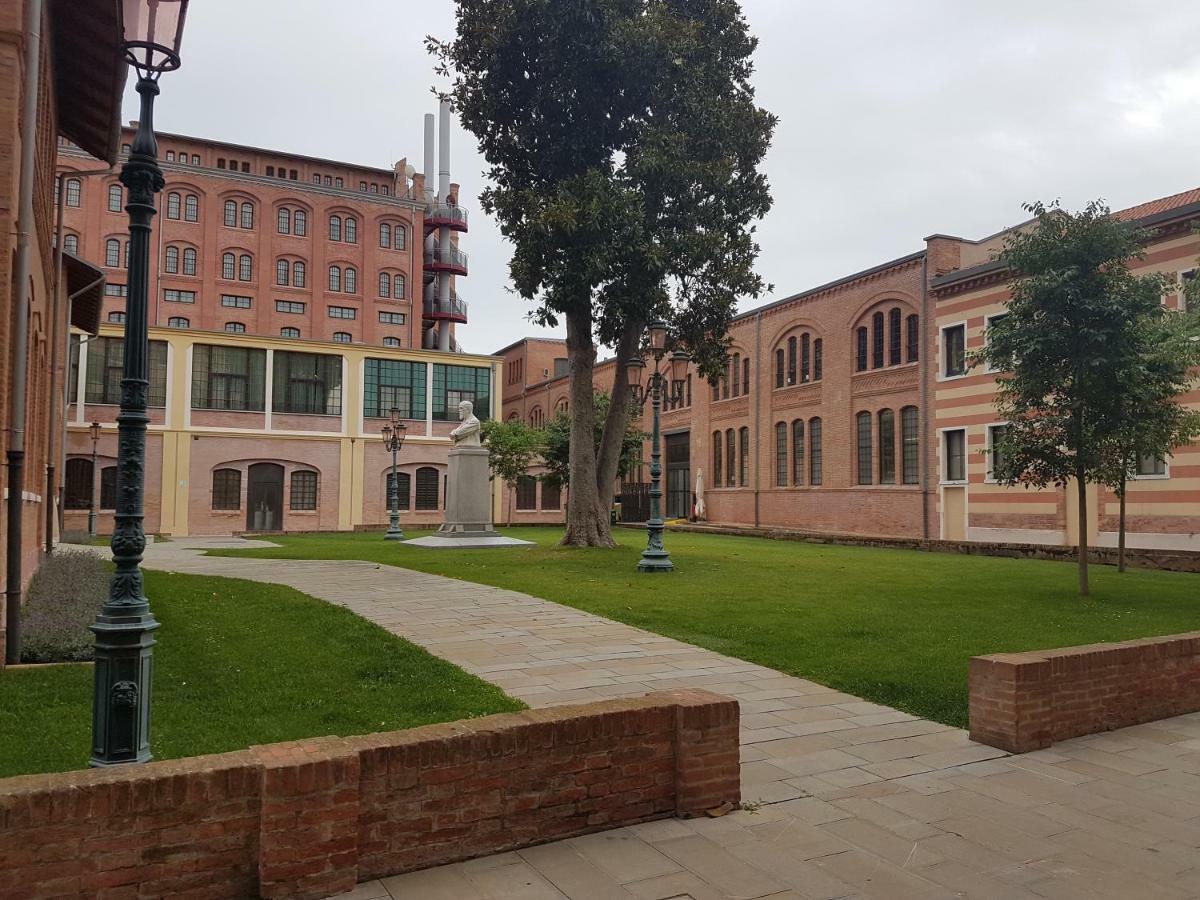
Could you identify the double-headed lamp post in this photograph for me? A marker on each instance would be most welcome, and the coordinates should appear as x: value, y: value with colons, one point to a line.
x: 125, y: 627
x: 393, y: 432
x: 94, y: 429
x: 655, y: 557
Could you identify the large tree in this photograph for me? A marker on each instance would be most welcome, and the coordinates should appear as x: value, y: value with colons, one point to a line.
x: 556, y: 445
x: 512, y: 449
x: 1072, y: 334
x: 623, y: 146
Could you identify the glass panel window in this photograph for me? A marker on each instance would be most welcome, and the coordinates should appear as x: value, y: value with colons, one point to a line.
x: 791, y: 360
x: 798, y: 452
x: 227, y: 489
x: 191, y: 208
x: 913, y: 338
x: 385, y: 285
x: 731, y: 456
x: 894, y: 337
x: 877, y: 338
x: 171, y: 264
x: 805, y: 358
x: 342, y: 337
x: 404, y: 492
x: 289, y: 306
x: 173, y: 205
x: 955, y: 445
x: 427, y: 488
x: 390, y: 383
x: 863, y: 420
x: 114, y: 200
x: 231, y: 378
x: 307, y: 383
x: 350, y: 280
x: 887, y: 447
x: 954, y: 350
x: 235, y: 302
x: 860, y: 349
x: 74, y: 188
x: 298, y: 274
x: 283, y: 222
x: 117, y: 318
x: 231, y: 214
x: 526, y: 493
x: 779, y: 368
x: 910, y: 444
x: 235, y: 327
x: 717, y: 441
x: 71, y: 243
x: 385, y: 231
x: 283, y: 271
x: 79, y: 486
x: 399, y: 237
x: 173, y: 296
x: 351, y: 227
x: 105, y: 369
x: 343, y: 312
x: 996, y: 435
x: 335, y: 279
x: 453, y: 384
x: 335, y: 228
x: 815, y: 460
x: 300, y: 223
x: 1151, y: 466
x: 228, y: 263
x: 245, y: 268
x: 391, y: 342
x: 781, y: 454
x: 391, y: 318
x: 289, y: 332
x: 189, y: 261
x: 551, y: 497
x: 112, y: 253
x: 817, y: 359
x: 304, y: 490
x: 398, y: 287
x: 115, y: 290
x: 247, y: 215
x: 108, y: 487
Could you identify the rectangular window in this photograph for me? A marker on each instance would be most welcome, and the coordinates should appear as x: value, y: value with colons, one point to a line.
x: 106, y: 368
x: 731, y: 459
x: 954, y: 350
x: 228, y: 378
x: 815, y: 459
x: 798, y: 452
x: 744, y: 449
x: 526, y: 493
x: 551, y: 497
x: 877, y: 341
x: 392, y: 383
x: 860, y: 350
x: 992, y: 321
x: 307, y: 383
x: 234, y: 302
x: 954, y: 444
x: 864, y: 447
x: 427, y: 488
x: 887, y: 447
x: 1151, y: 467
x: 1186, y: 280
x: 115, y: 290
x: 404, y: 490
x: 391, y: 318
x: 227, y: 489
x: 304, y: 490
x: 910, y: 444
x: 343, y: 312
x: 289, y: 306
x: 173, y: 296
x: 995, y: 464
x: 913, y: 324
x: 453, y: 384
x: 781, y: 454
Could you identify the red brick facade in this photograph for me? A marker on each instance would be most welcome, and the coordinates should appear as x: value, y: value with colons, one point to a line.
x: 1026, y: 701
x: 308, y: 819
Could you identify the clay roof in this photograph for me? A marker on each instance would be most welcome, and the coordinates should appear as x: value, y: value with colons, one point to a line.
x: 1161, y: 205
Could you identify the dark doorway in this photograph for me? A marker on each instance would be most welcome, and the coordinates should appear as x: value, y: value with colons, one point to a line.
x: 679, y: 488
x: 264, y: 497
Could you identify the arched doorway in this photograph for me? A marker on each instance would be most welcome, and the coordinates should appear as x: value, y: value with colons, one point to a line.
x: 264, y: 497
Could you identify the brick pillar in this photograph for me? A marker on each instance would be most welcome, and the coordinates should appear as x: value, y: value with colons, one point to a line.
x: 308, y: 839
x: 707, y: 757
x: 1010, y: 703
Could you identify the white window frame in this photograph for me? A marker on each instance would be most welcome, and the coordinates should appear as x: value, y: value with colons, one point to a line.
x: 987, y: 324
x: 944, y: 458
x: 1194, y: 271
x: 988, y: 477
x: 1165, y: 476
x: 941, y: 352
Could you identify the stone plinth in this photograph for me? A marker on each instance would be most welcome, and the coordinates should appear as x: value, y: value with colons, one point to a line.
x: 468, y: 505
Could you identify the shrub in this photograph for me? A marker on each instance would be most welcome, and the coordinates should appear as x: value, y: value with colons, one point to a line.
x: 64, y: 596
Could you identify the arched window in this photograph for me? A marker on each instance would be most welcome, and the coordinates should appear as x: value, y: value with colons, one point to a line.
x: 716, y: 445
x: 815, y: 473
x: 737, y: 374
x: 746, y: 375
x: 116, y: 317
x: 864, y: 447
x: 298, y: 274
x: 79, y: 484
x: 335, y: 279
x: 731, y: 455
x: 189, y: 261
x: 791, y: 373
x: 231, y: 214
x: 173, y: 204
x: 779, y: 368
x: 74, y: 188
x: 71, y: 243
x: 351, y: 230
x: 385, y: 235
x: 178, y: 322
x: 877, y: 340
x: 385, y: 285
x: 399, y: 234
x: 114, y: 199
x: 744, y: 451
x: 335, y: 228
x: 913, y: 323
x: 283, y: 222
x: 860, y: 349
x: 398, y: 287
x: 227, y: 489
x: 798, y: 452
x: 910, y: 445
x: 887, y: 447
x: 300, y: 223
x: 304, y: 490
x: 805, y: 358
x: 245, y: 268
x: 235, y: 327
x: 391, y: 342
x: 108, y: 487
x: 536, y: 417
x: 427, y: 488
x: 112, y: 253
x: 247, y: 215
x: 191, y: 208
x: 781, y: 454
x: 171, y: 264
x: 342, y: 337
x: 894, y: 337
x: 283, y: 271
x: 350, y: 281
x: 228, y: 264
x: 289, y: 332
x: 817, y: 359
x: 127, y: 254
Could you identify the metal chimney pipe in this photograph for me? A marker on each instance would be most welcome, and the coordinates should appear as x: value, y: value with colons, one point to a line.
x: 428, y: 173
x: 443, y: 294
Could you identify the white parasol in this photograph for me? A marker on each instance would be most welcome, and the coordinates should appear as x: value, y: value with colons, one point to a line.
x: 700, y: 494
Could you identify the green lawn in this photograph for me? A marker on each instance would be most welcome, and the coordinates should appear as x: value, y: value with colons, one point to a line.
x: 893, y: 626
x: 241, y: 663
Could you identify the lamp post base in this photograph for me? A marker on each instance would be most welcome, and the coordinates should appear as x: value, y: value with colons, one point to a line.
x: 655, y: 561
x: 393, y: 534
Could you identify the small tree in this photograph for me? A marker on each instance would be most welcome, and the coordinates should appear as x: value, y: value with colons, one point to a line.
x: 556, y: 450
x: 512, y: 448
x: 1072, y: 333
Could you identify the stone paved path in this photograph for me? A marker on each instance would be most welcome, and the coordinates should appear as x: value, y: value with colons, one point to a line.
x: 853, y: 799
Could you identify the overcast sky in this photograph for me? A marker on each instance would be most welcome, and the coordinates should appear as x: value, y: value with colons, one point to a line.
x: 896, y: 120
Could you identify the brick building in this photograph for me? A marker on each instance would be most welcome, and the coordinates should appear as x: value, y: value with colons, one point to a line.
x: 845, y: 409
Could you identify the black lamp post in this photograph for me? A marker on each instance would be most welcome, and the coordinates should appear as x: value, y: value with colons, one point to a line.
x: 95, y: 432
x: 393, y: 439
x: 655, y: 557
x: 125, y: 627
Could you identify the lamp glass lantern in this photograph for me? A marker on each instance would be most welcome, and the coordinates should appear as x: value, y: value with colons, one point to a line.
x: 657, y: 332
x: 153, y: 32
x: 95, y: 431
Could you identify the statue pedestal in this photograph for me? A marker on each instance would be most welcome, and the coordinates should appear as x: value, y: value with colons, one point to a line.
x: 468, y: 505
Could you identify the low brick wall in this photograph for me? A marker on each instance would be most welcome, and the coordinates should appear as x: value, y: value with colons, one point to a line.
x: 1026, y: 701
x: 312, y: 818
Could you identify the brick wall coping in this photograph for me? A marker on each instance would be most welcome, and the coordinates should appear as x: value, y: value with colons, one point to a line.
x: 1027, y: 701
x: 311, y: 818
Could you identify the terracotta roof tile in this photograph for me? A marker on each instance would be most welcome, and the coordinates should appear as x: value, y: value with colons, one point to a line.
x: 1163, y: 204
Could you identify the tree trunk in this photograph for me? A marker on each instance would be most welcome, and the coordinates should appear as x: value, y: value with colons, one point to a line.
x: 1081, y: 488
x: 608, y: 460
x: 1121, y: 530
x: 587, y: 519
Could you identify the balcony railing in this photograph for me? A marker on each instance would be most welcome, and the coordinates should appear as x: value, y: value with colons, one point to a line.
x: 446, y: 258
x: 455, y: 308
x: 446, y: 215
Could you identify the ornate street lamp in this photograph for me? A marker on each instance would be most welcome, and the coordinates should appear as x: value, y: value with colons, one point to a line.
x: 125, y: 627
x: 95, y: 432
x: 393, y: 439
x: 655, y: 557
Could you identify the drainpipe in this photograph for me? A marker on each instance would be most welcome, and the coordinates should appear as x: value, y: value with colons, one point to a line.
x: 757, y: 411
x: 48, y: 496
x: 923, y: 375
x: 20, y: 341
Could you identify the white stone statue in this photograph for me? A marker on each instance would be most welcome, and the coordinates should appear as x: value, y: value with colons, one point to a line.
x: 466, y: 434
